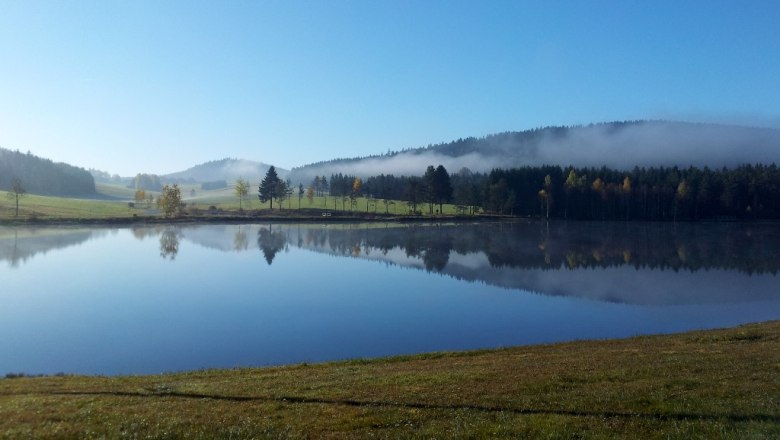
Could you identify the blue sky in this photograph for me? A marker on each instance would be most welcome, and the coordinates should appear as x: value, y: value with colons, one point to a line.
x: 158, y: 86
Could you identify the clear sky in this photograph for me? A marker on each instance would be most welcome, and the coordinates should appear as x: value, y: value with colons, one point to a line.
x: 158, y: 86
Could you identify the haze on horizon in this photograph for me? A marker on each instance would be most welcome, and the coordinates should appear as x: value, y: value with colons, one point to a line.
x: 145, y: 86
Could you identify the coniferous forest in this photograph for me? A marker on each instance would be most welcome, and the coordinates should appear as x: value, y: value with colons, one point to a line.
x: 43, y: 176
x: 744, y: 192
x: 664, y: 194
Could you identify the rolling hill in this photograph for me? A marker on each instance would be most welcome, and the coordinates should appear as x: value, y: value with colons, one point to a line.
x: 620, y: 145
x: 43, y: 176
x: 224, y: 169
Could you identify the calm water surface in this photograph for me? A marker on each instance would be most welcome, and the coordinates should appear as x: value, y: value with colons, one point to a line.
x: 155, y: 299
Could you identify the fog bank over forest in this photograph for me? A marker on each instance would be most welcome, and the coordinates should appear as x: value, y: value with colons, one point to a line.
x: 619, y: 145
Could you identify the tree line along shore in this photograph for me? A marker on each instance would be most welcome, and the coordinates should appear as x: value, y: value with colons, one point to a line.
x: 748, y: 192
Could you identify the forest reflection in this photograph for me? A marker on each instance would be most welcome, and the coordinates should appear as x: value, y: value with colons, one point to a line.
x: 20, y: 244
x: 631, y: 262
x: 634, y: 263
x: 750, y: 248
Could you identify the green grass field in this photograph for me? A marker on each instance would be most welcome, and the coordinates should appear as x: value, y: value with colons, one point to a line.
x: 111, y: 201
x: 395, y: 207
x: 44, y: 207
x: 708, y: 384
x: 120, y: 192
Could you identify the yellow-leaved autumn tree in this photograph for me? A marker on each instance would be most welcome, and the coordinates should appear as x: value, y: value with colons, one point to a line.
x: 242, y: 190
x: 169, y: 201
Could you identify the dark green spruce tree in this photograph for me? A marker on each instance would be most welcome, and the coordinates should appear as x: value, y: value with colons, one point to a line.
x: 269, y: 187
x: 442, y: 187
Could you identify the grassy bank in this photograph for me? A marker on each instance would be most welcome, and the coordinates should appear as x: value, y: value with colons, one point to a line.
x: 35, y: 207
x: 711, y: 384
x: 110, y: 204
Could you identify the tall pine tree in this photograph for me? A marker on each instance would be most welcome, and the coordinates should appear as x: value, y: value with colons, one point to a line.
x: 269, y: 187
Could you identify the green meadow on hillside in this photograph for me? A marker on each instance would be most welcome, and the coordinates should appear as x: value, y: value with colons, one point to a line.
x: 112, y: 202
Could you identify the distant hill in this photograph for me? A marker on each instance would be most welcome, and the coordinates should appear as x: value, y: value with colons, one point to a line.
x: 620, y: 145
x: 224, y: 169
x: 42, y: 176
x: 106, y: 177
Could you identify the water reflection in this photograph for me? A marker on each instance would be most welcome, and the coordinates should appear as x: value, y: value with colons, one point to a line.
x: 169, y: 243
x: 17, y: 245
x: 752, y: 249
x: 270, y: 242
x: 240, y: 240
x: 636, y: 263
x: 640, y: 263
x: 470, y: 286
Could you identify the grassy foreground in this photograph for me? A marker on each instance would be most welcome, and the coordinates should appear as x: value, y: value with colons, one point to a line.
x: 710, y: 384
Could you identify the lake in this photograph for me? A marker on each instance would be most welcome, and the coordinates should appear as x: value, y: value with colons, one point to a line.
x: 151, y: 299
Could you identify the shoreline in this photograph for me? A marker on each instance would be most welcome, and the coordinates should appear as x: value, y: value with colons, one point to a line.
x: 335, y: 217
x: 399, y: 357
x: 236, y: 219
x: 706, y: 383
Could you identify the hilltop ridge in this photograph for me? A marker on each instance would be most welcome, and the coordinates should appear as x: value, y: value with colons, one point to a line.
x: 621, y: 145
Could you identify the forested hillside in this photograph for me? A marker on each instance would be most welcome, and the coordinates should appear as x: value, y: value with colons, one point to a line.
x: 744, y: 192
x: 43, y: 176
x: 655, y: 193
x: 223, y: 169
x: 617, y: 145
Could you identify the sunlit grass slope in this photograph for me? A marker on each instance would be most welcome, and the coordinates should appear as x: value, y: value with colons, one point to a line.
x: 45, y: 207
x: 112, y: 200
x: 711, y: 384
x: 117, y: 191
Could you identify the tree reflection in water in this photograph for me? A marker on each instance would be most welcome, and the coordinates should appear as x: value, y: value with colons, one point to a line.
x: 169, y: 243
x: 240, y: 240
x: 270, y: 242
x: 749, y: 248
x: 659, y: 263
x: 20, y: 244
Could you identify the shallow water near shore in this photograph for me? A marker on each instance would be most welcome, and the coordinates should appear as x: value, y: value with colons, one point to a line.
x: 150, y: 299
